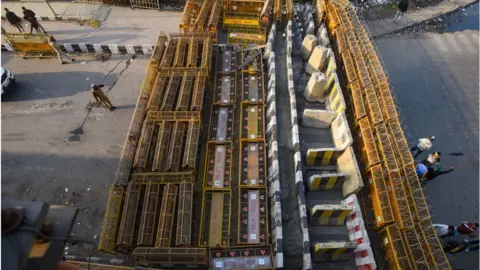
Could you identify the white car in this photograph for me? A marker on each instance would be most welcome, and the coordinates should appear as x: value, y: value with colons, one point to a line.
x: 8, y: 79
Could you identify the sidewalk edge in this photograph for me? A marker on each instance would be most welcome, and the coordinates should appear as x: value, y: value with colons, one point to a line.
x: 425, y: 20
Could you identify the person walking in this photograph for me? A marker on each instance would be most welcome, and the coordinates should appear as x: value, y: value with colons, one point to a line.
x: 425, y: 173
x: 14, y: 20
x: 100, y: 96
x: 401, y: 9
x: 454, y: 246
x: 424, y: 144
x: 466, y: 228
x: 444, y: 230
x: 29, y: 15
x: 432, y: 159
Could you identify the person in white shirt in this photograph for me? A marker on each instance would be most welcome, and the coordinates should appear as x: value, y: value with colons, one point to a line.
x: 432, y: 159
x: 424, y: 144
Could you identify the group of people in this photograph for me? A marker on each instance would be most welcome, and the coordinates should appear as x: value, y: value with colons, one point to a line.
x: 466, y: 228
x: 29, y: 16
x: 428, y: 168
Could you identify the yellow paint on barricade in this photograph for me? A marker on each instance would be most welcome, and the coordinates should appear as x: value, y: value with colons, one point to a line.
x: 326, y: 181
x: 336, y: 101
x: 379, y: 195
x: 111, y: 219
x: 326, y: 214
x: 322, y: 156
x: 395, y: 248
x: 333, y: 251
x: 31, y: 45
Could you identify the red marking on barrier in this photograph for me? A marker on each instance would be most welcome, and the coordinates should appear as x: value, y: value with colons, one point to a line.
x: 245, y: 236
x: 245, y: 195
x: 262, y: 251
x: 226, y: 183
x: 262, y: 236
x: 232, y: 254
x: 361, y: 254
x: 262, y: 209
x: 245, y: 209
x: 262, y: 221
x: 218, y: 254
x: 245, y: 252
x: 354, y: 229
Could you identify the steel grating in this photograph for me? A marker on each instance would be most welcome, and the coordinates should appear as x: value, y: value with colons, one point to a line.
x: 224, y: 91
x: 166, y: 217
x: 253, y: 88
x: 215, y: 223
x: 161, y: 178
x: 253, y: 122
x: 214, y: 16
x: 398, y: 200
x: 201, y: 19
x: 175, y: 149
x: 415, y: 249
x: 253, y: 164
x: 170, y: 93
x: 185, y: 93
x: 149, y: 4
x: 140, y: 162
x: 179, y: 58
x: 198, y: 92
x: 434, y: 245
x: 385, y: 148
x: 192, y: 53
x: 379, y: 195
x: 169, y: 53
x: 184, y: 220
x: 207, y: 53
x: 277, y: 10
x: 369, y: 152
x: 161, y: 149
x: 221, y: 125
x: 253, y: 218
x: 341, y: 41
x: 388, y: 105
x: 127, y: 229
x: 399, y: 141
x: 349, y: 67
x: 218, y: 166
x: 111, y: 219
x: 145, y: 255
x: 416, y: 192
x: 191, y: 145
x: 373, y: 107
x: 395, y: 251
x: 183, y: 116
x: 148, y: 221
x: 157, y: 93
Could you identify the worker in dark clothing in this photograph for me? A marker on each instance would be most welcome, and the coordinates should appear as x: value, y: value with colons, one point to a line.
x: 425, y: 173
x: 30, y: 17
x: 466, y: 245
x: 402, y: 8
x: 100, y: 96
x: 14, y: 20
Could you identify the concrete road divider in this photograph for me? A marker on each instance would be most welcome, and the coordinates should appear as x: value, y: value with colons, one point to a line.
x: 326, y: 181
x: 318, y: 59
x: 347, y: 164
x: 333, y: 251
x: 337, y: 123
x: 308, y: 44
x: 329, y: 214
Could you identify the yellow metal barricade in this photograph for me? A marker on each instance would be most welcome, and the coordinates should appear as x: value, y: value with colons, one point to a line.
x: 31, y: 45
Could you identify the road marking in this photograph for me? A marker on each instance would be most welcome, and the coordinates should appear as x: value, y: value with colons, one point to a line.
x: 467, y: 43
x: 440, y: 43
x: 453, y: 42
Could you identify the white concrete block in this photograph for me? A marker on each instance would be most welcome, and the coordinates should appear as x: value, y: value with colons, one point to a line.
x: 318, y: 59
x: 316, y: 89
x: 308, y: 44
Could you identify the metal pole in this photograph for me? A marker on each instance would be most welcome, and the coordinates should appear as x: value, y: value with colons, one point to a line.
x: 48, y: 4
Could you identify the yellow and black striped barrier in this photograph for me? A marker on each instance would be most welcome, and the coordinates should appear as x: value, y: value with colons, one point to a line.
x: 327, y: 181
x: 323, y: 156
x: 328, y: 214
x: 333, y: 251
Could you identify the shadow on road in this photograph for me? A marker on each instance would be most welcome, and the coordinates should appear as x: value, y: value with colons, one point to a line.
x: 36, y: 86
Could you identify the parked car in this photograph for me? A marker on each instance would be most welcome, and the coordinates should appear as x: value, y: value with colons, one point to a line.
x: 8, y: 80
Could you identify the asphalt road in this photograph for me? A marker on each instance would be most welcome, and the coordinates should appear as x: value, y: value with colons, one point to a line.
x: 56, y: 146
x: 435, y: 76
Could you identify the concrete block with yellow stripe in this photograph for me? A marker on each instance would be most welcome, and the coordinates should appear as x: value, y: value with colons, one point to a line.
x: 336, y: 122
x: 333, y: 251
x: 335, y: 101
x: 322, y: 156
x: 329, y: 214
x: 326, y: 181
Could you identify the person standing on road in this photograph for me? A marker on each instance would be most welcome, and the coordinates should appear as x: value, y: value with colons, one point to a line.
x: 425, y: 173
x: 424, y: 144
x: 14, y: 20
x: 402, y: 8
x: 466, y: 228
x: 432, y: 159
x: 29, y: 15
x: 100, y: 96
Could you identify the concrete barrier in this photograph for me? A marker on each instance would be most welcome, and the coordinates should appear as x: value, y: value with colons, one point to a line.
x: 300, y: 187
x: 326, y: 181
x: 317, y: 118
x: 347, y: 164
x: 310, y: 28
x: 333, y: 251
x: 330, y: 214
x: 308, y: 44
x: 85, y: 48
x: 273, y: 167
x: 336, y: 100
x: 322, y: 156
x: 318, y: 59
x: 337, y: 122
x: 316, y: 88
